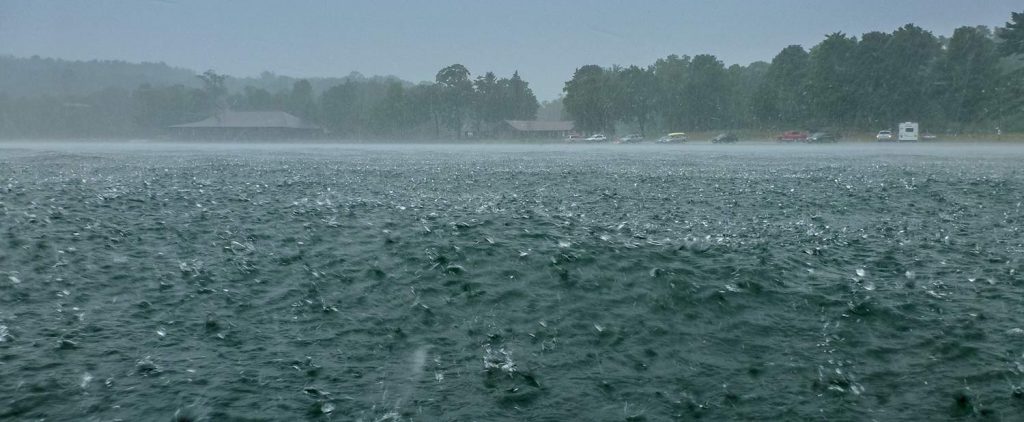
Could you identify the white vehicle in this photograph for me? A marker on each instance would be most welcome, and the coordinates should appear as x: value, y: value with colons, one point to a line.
x: 908, y: 132
x: 673, y: 137
x: 597, y: 138
x: 884, y: 135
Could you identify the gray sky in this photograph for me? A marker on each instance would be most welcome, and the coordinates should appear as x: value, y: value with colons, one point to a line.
x: 546, y: 40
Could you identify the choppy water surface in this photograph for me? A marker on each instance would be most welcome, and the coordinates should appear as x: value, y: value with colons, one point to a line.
x: 141, y: 282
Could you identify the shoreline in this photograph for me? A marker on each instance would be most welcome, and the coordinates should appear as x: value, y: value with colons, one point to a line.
x: 695, y: 139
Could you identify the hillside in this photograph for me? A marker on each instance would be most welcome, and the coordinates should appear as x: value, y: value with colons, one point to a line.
x: 39, y: 76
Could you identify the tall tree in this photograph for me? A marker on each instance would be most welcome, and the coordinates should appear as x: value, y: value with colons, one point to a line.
x: 301, y: 101
x: 744, y: 81
x: 456, y: 92
x: 706, y: 93
x: 214, y: 90
x: 968, y: 75
x: 587, y: 100
x: 523, y: 103
x: 671, y: 74
x: 872, y: 94
x: 342, y: 110
x: 491, y: 106
x: 1011, y: 36
x: 636, y: 96
x: 911, y: 57
x: 393, y: 114
x: 782, y: 98
x: 830, y: 75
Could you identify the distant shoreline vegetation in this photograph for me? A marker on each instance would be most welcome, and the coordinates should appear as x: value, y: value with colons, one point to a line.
x: 970, y: 82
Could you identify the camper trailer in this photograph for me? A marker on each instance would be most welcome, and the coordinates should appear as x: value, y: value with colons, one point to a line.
x: 908, y: 132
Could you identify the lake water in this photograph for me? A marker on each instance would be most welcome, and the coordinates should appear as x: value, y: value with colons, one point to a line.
x: 143, y: 281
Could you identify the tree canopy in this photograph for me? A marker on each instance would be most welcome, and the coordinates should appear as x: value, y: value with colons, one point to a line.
x: 972, y: 80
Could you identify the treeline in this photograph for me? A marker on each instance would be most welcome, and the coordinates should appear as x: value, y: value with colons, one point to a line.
x: 973, y: 80
x: 970, y: 81
x: 356, y: 107
x: 450, y: 107
x: 41, y: 76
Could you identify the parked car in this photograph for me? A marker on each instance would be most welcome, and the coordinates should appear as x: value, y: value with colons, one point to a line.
x: 792, y: 136
x: 574, y: 138
x: 631, y: 139
x: 883, y: 135
x: 822, y: 137
x: 673, y: 137
x: 725, y: 138
x: 928, y: 136
x: 597, y: 137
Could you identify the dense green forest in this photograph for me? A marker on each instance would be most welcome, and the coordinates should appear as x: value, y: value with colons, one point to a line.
x: 354, y: 107
x: 971, y: 81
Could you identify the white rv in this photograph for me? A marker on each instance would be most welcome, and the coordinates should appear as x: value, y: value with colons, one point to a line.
x: 908, y: 132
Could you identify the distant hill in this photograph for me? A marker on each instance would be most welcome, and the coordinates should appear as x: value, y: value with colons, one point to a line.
x: 39, y: 76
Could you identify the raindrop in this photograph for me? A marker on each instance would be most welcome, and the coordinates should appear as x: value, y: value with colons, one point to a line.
x: 145, y: 366
x: 86, y: 379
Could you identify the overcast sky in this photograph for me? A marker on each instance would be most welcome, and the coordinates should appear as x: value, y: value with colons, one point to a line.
x: 546, y: 40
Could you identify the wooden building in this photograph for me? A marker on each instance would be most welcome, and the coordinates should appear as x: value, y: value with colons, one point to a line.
x: 535, y: 129
x: 248, y: 125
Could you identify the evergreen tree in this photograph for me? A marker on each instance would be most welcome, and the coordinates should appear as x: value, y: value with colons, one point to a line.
x: 1011, y: 36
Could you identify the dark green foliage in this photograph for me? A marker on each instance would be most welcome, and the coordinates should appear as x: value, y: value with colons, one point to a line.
x: 967, y: 75
x: 496, y: 99
x: 636, y: 95
x: 1008, y: 93
x: 588, y: 99
x: 161, y: 107
x: 706, y: 92
x: 456, y: 96
x: 521, y: 101
x: 1011, y: 36
x: 670, y: 75
x: 830, y: 79
x: 782, y: 99
x: 355, y: 108
x: 911, y: 58
x: 301, y: 101
x: 971, y: 81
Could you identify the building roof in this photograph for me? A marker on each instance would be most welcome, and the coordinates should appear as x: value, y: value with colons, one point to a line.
x: 251, y: 119
x: 540, y: 126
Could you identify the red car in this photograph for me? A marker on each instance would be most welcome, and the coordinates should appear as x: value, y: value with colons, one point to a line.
x: 792, y: 136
